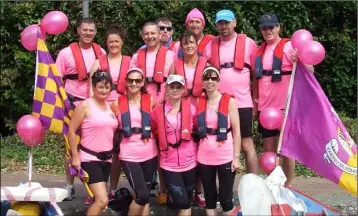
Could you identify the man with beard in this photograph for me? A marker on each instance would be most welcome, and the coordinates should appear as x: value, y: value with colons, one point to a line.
x: 155, y: 60
x: 234, y: 55
x: 195, y: 23
x: 73, y: 63
x: 166, y: 30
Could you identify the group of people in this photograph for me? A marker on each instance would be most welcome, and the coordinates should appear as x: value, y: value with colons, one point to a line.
x: 184, y: 109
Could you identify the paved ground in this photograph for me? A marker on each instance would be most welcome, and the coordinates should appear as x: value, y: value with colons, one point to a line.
x: 318, y: 188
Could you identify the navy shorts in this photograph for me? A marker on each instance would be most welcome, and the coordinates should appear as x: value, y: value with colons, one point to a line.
x: 246, y: 125
x: 266, y: 133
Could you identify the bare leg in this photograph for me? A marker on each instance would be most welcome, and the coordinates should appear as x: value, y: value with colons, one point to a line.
x: 270, y: 144
x: 101, y: 200
x: 211, y: 212
x: 146, y: 210
x: 69, y: 179
x: 184, y: 212
x: 115, y: 173
x: 251, y: 159
x: 288, y: 167
x: 135, y: 209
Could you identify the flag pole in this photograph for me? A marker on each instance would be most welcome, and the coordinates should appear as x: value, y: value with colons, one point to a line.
x: 85, y: 8
x: 287, y: 109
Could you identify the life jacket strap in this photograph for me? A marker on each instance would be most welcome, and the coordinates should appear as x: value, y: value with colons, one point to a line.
x: 73, y: 77
x: 135, y: 130
x: 175, y: 145
x: 269, y: 73
x: 151, y: 79
x: 105, y: 155
x: 213, y: 131
x: 231, y: 64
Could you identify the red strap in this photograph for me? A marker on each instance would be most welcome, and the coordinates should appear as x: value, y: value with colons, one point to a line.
x: 201, y: 104
x: 172, y: 44
x: 145, y: 103
x: 206, y: 39
x: 97, y: 50
x: 103, y: 63
x: 224, y: 104
x: 123, y: 104
x: 240, y: 51
x: 159, y: 65
x: 141, y: 58
x: 80, y: 63
x: 185, y: 119
x: 121, y: 81
x: 197, y: 83
x: 161, y: 128
x: 215, y: 56
x: 278, y: 52
x: 179, y: 69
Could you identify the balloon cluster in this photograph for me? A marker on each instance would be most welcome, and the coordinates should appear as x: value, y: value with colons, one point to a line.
x: 54, y: 22
x: 309, y: 51
x: 30, y: 130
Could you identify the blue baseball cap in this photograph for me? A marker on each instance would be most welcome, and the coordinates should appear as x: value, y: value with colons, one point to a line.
x: 227, y: 15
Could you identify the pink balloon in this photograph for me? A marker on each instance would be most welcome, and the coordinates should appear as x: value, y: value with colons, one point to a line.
x: 29, y: 37
x: 300, y: 38
x: 30, y: 130
x: 268, y: 162
x: 54, y: 22
x: 312, y: 53
x: 271, y: 118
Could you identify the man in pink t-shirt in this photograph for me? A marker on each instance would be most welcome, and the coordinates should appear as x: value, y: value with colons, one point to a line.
x: 233, y: 54
x: 73, y: 63
x: 155, y: 60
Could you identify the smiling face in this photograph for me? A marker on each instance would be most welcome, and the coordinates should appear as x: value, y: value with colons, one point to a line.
x: 211, y: 81
x: 196, y: 26
x: 270, y: 33
x: 102, y: 90
x: 226, y: 28
x: 175, y: 90
x: 134, y: 82
x: 114, y: 43
x: 86, y: 32
x: 151, y: 35
x: 189, y: 45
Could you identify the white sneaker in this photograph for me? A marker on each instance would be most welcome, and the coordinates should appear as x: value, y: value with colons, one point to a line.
x: 71, y: 194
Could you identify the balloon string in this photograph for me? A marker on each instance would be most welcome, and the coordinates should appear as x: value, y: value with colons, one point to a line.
x: 30, y: 165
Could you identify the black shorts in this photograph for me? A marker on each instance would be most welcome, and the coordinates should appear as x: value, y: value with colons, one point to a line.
x: 98, y: 171
x: 266, y: 133
x: 246, y: 127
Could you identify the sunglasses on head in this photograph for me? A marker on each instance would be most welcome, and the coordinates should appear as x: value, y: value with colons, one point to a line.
x: 134, y: 80
x: 211, y: 78
x: 162, y: 28
x: 101, y: 74
x: 265, y: 28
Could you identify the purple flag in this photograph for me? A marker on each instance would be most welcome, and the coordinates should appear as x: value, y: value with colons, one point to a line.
x: 314, y: 135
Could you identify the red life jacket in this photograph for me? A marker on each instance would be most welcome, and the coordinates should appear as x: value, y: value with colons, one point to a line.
x: 222, y: 130
x: 197, y: 83
x: 158, y: 67
x: 206, y: 39
x: 276, y: 71
x: 127, y: 130
x: 172, y: 44
x: 239, y: 54
x: 104, y: 66
x: 185, y: 133
x: 80, y: 63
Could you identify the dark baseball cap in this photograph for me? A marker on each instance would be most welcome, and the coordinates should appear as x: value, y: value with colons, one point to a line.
x: 268, y: 19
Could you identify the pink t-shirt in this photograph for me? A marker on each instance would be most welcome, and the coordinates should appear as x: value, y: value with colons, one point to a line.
x: 65, y: 64
x: 182, y: 158
x: 114, y: 67
x: 97, y: 131
x: 134, y: 148
x: 233, y: 81
x: 210, y: 151
x: 176, y: 49
x: 274, y: 94
x: 150, y: 63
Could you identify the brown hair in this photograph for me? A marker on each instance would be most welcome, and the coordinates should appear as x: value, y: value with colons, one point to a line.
x: 115, y: 29
x: 186, y: 36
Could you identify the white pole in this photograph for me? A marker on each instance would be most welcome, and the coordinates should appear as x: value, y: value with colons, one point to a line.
x: 29, y: 168
x: 85, y: 8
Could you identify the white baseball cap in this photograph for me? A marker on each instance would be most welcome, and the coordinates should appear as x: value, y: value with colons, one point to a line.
x: 175, y: 78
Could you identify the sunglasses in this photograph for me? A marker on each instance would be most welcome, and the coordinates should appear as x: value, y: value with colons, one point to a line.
x: 162, y: 28
x: 211, y: 78
x: 99, y: 74
x: 265, y: 28
x: 134, y: 80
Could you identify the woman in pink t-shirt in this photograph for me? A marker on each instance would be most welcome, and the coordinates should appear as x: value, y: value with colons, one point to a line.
x: 273, y: 74
x: 172, y: 123
x: 117, y: 65
x: 218, y: 127
x: 138, y: 150
x: 97, y: 123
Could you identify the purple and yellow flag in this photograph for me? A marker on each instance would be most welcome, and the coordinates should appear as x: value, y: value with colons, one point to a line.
x: 50, y: 103
x: 314, y: 135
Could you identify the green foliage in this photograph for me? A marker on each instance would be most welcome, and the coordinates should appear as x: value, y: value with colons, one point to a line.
x: 49, y: 156
x: 334, y: 24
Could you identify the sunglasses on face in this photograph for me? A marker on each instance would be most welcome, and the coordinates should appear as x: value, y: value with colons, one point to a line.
x: 162, y: 28
x: 265, y: 28
x: 134, y: 80
x: 211, y: 78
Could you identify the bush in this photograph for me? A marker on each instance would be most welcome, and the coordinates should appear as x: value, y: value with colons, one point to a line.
x: 334, y: 24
